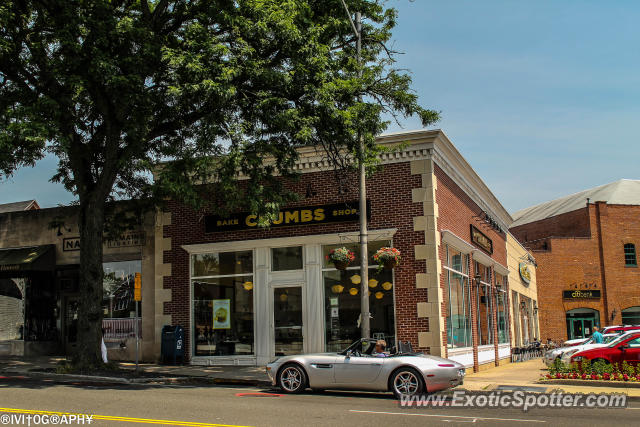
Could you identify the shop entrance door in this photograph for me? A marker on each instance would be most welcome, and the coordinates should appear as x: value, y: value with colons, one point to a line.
x: 70, y: 324
x: 287, y: 320
x: 581, y: 328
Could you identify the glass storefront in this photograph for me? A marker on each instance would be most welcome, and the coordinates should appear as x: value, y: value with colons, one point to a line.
x: 223, y: 303
x: 459, y: 304
x: 118, y: 303
x: 501, y: 309
x: 484, y: 295
x: 342, y: 290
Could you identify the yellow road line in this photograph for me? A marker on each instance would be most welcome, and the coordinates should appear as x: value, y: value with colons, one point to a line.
x: 114, y: 418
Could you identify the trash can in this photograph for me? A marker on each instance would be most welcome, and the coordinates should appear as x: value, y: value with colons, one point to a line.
x: 172, y: 346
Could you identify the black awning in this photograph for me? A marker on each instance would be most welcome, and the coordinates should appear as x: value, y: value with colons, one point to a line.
x: 26, y: 259
x: 9, y: 288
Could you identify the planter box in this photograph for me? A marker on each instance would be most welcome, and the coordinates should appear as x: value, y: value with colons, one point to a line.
x: 591, y: 383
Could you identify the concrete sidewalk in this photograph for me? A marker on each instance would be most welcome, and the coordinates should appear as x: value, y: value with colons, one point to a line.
x: 246, y: 375
x: 526, y: 375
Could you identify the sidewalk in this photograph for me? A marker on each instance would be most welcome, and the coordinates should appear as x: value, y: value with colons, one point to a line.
x: 244, y: 375
x: 525, y: 375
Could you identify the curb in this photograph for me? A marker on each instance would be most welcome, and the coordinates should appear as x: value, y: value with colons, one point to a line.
x: 140, y: 381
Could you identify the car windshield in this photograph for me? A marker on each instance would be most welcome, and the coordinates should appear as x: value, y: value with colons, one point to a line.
x: 611, y: 338
x: 618, y: 339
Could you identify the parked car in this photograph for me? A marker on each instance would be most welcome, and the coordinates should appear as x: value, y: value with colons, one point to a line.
x: 620, y: 329
x: 557, y: 353
x: 576, y: 341
x: 358, y: 367
x: 625, y: 349
x: 607, y: 339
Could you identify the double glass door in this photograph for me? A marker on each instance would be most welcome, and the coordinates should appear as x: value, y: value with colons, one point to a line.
x: 581, y: 328
x: 287, y: 320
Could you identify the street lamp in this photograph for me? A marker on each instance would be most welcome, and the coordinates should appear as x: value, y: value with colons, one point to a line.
x: 365, y: 316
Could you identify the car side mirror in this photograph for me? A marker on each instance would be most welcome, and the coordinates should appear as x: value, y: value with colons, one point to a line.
x: 623, y: 347
x: 349, y: 353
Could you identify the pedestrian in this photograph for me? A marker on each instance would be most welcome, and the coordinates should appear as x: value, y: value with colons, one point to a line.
x: 597, y: 336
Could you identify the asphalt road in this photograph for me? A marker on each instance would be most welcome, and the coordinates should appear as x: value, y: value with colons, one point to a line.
x: 115, y: 405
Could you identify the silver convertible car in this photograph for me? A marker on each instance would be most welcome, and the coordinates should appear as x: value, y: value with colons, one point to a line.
x: 359, y: 368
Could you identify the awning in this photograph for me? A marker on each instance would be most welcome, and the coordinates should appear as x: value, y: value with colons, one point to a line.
x: 9, y: 288
x: 26, y: 259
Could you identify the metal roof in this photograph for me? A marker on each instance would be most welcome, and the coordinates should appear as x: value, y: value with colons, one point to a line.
x: 19, y: 206
x: 622, y: 192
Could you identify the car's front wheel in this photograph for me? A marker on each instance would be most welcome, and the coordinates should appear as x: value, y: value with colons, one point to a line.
x: 292, y: 379
x: 406, y: 382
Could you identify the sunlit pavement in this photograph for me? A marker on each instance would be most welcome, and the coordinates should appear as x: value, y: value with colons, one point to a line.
x: 240, y: 406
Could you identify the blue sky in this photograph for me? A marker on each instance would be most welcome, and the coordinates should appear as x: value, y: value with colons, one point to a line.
x: 541, y: 97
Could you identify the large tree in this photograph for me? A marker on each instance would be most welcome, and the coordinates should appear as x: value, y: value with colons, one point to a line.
x: 210, y: 88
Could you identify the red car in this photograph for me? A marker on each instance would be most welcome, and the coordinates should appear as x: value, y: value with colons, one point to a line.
x: 620, y: 329
x: 624, y: 349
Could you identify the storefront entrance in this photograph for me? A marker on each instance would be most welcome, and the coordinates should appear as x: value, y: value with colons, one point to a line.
x: 288, y: 331
x: 580, y: 322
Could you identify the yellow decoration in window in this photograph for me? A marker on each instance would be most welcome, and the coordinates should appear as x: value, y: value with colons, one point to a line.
x: 387, y: 286
x: 337, y: 289
x: 353, y: 291
x: 356, y: 279
x: 247, y: 286
x: 373, y: 283
x: 283, y: 297
x: 379, y: 295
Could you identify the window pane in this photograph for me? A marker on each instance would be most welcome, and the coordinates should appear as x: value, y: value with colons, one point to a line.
x: 223, y: 316
x: 342, y: 307
x: 355, y: 247
x: 222, y: 263
x: 457, y: 260
x: 12, y: 308
x: 117, y: 285
x: 630, y: 254
x: 283, y: 259
x: 485, y: 318
x: 458, y: 320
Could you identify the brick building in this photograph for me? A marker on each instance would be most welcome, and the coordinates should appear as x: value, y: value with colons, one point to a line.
x: 245, y: 294
x: 585, y: 247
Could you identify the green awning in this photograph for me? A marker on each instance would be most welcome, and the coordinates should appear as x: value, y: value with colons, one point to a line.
x: 25, y: 259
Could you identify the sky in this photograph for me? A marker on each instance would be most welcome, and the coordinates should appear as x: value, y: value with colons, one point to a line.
x: 541, y: 97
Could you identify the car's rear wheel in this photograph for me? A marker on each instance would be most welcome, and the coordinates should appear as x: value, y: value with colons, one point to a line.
x: 406, y: 382
x: 292, y: 379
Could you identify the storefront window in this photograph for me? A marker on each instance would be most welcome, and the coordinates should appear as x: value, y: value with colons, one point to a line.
x: 501, y: 310
x: 459, y: 304
x: 484, y: 294
x: 12, y: 293
x: 223, y: 304
x: 118, y: 304
x: 284, y: 259
x: 342, y: 289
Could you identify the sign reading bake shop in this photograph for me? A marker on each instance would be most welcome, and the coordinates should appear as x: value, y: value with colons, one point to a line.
x: 480, y: 239
x: 305, y: 215
x: 581, y: 294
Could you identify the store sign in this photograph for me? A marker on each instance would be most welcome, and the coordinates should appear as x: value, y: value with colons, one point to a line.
x: 480, y: 239
x: 306, y: 215
x: 577, y: 294
x: 126, y: 240
x: 137, y: 287
x: 525, y: 273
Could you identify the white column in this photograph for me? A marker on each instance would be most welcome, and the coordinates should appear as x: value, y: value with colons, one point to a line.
x: 263, y: 317
x: 314, y: 295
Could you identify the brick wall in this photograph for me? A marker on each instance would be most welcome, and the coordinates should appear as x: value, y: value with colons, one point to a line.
x: 389, y: 191
x: 584, y: 261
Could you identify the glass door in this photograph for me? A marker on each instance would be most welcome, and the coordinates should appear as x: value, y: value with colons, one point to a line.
x: 287, y: 320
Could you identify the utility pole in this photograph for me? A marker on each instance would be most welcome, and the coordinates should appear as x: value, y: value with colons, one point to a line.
x: 365, y: 316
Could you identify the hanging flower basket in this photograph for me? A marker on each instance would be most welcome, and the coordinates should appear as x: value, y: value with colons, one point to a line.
x: 341, y: 257
x: 387, y: 258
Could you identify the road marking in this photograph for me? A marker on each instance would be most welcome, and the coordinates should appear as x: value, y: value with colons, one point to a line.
x: 114, y: 418
x: 258, y: 395
x: 448, y: 416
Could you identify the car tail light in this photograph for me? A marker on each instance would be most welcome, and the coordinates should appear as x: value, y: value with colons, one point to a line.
x: 446, y: 365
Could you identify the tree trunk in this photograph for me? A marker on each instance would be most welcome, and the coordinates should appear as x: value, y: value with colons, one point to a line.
x: 91, y: 225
